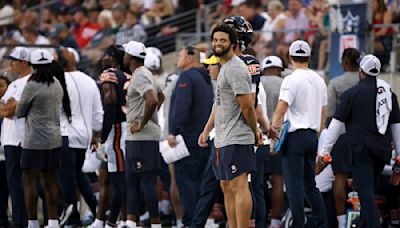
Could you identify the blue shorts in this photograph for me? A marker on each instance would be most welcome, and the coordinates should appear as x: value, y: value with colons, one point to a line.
x: 233, y: 160
x: 142, y: 156
x: 341, y: 155
x: 44, y: 160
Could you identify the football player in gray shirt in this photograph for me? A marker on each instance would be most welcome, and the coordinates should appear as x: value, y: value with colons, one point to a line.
x: 235, y: 123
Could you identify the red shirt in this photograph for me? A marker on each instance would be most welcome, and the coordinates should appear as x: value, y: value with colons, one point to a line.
x: 84, y: 33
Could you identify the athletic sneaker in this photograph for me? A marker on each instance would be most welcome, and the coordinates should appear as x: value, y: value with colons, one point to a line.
x: 65, y: 214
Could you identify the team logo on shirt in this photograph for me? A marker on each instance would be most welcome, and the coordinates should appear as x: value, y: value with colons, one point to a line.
x: 381, y: 90
x: 234, y: 168
x: 254, y: 69
x: 139, y: 165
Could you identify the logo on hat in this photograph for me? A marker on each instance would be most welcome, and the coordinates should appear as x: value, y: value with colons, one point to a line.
x: 42, y: 57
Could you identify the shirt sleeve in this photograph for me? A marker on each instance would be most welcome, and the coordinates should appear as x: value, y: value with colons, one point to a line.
x: 324, y: 95
x: 9, y: 93
x: 97, y: 107
x: 395, y: 113
x: 239, y: 80
x: 182, y: 102
x: 142, y: 84
x: 25, y: 101
x: 287, y: 91
x: 343, y: 110
x: 332, y: 100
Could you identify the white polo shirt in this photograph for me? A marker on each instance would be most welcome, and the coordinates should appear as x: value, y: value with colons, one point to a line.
x: 13, y: 129
x: 305, y: 92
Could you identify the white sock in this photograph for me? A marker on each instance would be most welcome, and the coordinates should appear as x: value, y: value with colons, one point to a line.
x: 145, y: 216
x: 179, y: 223
x: 210, y: 221
x: 122, y: 223
x: 33, y: 224
x: 275, y: 222
x: 165, y: 206
x: 155, y: 225
x: 53, y: 223
x: 98, y: 223
x: 341, y: 221
x: 130, y: 224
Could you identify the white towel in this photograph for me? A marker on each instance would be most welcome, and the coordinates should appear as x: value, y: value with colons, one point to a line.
x: 383, y: 105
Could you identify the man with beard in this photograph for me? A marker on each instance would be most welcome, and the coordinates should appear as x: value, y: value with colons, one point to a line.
x: 236, y: 128
x: 209, y: 185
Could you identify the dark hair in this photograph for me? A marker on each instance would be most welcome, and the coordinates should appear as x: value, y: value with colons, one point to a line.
x: 300, y: 59
x: 228, y: 30
x: 116, y: 53
x: 58, y: 72
x: 31, y: 29
x: 138, y: 60
x: 249, y: 51
x: 352, y: 55
x: 252, y: 4
x: 43, y: 73
x: 4, y: 78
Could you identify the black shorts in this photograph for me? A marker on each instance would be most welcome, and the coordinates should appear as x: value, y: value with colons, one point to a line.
x: 273, y: 164
x: 233, y: 160
x: 44, y: 160
x: 142, y: 156
x: 341, y: 155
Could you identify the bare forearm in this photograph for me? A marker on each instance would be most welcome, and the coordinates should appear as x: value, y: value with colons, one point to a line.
x: 7, y: 111
x: 323, y: 118
x: 210, y: 123
x: 249, y: 115
x: 264, y: 122
x: 277, y: 119
x: 149, y: 108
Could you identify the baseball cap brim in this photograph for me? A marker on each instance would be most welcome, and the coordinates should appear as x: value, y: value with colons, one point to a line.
x: 212, y: 60
x: 9, y: 57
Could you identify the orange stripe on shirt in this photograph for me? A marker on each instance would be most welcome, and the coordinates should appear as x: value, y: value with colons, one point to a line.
x: 117, y: 140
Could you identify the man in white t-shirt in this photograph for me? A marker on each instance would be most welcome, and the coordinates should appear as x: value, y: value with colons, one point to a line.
x: 303, y: 103
x: 13, y: 132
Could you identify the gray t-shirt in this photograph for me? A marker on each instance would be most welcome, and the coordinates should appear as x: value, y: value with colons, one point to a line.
x: 230, y: 126
x: 41, y: 105
x: 337, y: 87
x: 272, y: 86
x: 140, y: 83
x: 169, y: 88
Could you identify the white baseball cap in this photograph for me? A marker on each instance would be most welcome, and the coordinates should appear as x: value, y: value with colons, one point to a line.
x: 19, y: 53
x: 370, y: 65
x: 271, y: 61
x: 135, y: 48
x: 41, y: 56
x: 152, y: 61
x: 155, y: 51
x: 299, y: 48
x: 75, y: 53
